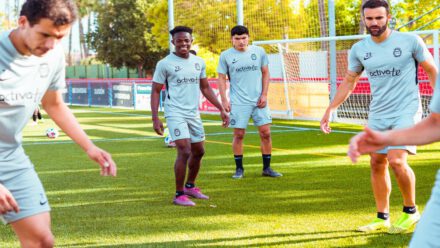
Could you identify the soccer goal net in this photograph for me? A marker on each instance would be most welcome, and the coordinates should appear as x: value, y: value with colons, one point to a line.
x: 306, y: 73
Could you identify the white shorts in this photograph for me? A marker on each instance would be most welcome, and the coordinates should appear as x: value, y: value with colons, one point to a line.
x: 28, y: 192
x: 240, y: 115
x: 186, y: 128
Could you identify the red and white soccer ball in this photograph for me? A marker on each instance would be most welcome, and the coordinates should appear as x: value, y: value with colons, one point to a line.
x: 52, y: 133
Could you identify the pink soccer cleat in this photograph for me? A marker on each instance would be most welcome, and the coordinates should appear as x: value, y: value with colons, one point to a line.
x: 195, y: 192
x: 183, y: 200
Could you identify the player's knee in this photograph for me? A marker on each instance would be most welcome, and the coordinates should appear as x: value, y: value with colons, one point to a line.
x: 48, y: 241
x: 198, y: 153
x: 265, y: 135
x: 239, y: 136
x: 184, y: 152
x: 397, y: 163
x: 378, y: 165
x: 41, y: 241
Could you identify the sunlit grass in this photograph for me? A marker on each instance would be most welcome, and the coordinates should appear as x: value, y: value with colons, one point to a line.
x: 320, y: 200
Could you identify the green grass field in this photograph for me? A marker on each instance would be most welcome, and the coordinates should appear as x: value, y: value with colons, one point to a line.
x: 318, y: 202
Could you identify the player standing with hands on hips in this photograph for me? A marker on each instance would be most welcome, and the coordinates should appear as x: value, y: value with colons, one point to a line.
x: 390, y: 60
x: 32, y: 69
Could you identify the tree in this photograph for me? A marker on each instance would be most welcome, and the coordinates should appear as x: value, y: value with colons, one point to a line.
x: 157, y: 14
x: 85, y: 8
x: 211, y: 23
x: 214, y: 20
x: 4, y: 23
x: 361, y: 23
x: 123, y: 35
x: 211, y: 60
x: 408, y: 10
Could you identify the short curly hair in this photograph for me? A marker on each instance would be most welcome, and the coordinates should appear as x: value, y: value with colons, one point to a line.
x: 61, y: 12
x: 179, y: 29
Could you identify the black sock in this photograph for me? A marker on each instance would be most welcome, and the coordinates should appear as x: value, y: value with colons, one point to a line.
x: 34, y: 118
x: 266, y: 160
x: 383, y: 216
x: 409, y: 210
x: 179, y: 193
x: 39, y: 115
x: 190, y: 185
x: 238, y: 161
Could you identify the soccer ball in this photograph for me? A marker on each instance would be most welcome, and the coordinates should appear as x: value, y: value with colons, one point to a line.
x: 52, y: 133
x: 168, y: 140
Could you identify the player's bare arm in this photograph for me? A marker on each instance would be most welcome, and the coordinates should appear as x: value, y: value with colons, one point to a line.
x: 262, y: 102
x: 367, y: 141
x: 210, y: 95
x: 343, y: 92
x: 55, y: 107
x: 431, y: 69
x: 222, y: 90
x: 425, y: 132
x: 155, y: 95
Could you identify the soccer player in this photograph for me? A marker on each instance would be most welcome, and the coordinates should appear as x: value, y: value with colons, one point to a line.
x: 184, y: 76
x: 247, y: 69
x: 32, y: 69
x: 390, y: 60
x: 427, y: 233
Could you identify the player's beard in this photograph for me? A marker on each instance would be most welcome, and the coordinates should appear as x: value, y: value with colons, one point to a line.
x: 378, y: 32
x: 39, y: 52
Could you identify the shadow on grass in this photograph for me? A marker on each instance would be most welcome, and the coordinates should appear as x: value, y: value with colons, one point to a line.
x: 400, y: 240
x: 314, y: 190
x: 292, y: 239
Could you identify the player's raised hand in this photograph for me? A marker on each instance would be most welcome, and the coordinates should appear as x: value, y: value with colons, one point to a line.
x: 104, y: 159
x: 325, y: 122
x: 262, y: 102
x: 158, y: 126
x: 7, y: 201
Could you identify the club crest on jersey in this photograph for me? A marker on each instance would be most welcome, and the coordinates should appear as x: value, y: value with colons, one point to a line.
x: 44, y: 70
x: 177, y: 132
x: 197, y: 65
x: 397, y: 52
x: 254, y: 56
